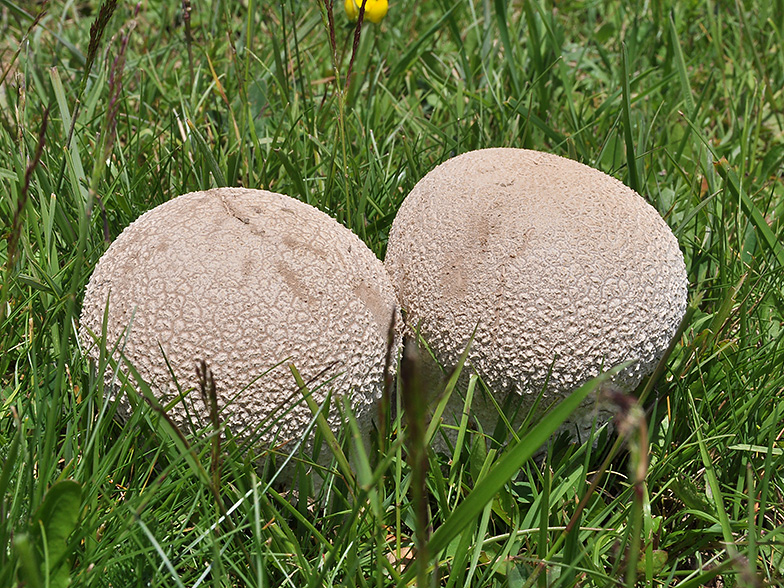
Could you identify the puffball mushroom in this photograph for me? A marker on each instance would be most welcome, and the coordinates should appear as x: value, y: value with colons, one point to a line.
x: 564, y: 271
x: 250, y: 281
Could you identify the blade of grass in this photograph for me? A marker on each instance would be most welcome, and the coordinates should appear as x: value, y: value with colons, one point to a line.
x: 680, y: 63
x: 509, y: 465
x: 732, y: 182
x: 159, y: 550
x: 544, y: 517
x: 326, y: 430
x: 626, y: 112
x: 503, y: 31
x: 206, y: 152
x: 414, y: 400
x: 713, y: 483
x: 435, y: 420
x: 414, y: 49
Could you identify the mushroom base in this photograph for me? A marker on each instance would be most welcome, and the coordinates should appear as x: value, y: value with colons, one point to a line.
x: 484, y: 417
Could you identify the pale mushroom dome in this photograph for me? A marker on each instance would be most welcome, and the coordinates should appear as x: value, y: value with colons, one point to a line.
x: 561, y: 266
x: 249, y: 281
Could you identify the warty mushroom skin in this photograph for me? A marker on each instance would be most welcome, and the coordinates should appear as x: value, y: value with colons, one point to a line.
x: 558, y: 265
x: 249, y: 281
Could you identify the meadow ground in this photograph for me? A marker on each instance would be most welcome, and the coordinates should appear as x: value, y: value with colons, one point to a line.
x: 109, y: 110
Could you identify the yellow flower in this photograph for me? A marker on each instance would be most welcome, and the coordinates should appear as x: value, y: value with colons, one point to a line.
x: 375, y: 10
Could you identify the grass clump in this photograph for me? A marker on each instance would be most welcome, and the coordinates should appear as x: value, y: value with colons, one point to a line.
x: 108, y: 110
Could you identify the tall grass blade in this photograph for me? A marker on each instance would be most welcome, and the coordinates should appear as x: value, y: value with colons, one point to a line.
x: 713, y: 483
x: 509, y: 465
x: 626, y: 112
x: 680, y: 63
x: 325, y: 429
x: 732, y: 182
x: 414, y: 50
x: 206, y: 152
x: 503, y: 31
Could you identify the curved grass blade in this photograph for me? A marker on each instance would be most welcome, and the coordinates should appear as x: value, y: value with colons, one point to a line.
x: 508, y: 466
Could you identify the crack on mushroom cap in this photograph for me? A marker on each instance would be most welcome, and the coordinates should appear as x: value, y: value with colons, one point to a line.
x: 246, y: 279
x: 558, y: 263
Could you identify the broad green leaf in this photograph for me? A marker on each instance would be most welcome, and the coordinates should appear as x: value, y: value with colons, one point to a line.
x: 53, y: 524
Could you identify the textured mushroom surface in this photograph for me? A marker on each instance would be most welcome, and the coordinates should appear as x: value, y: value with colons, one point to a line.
x: 560, y: 265
x: 249, y: 281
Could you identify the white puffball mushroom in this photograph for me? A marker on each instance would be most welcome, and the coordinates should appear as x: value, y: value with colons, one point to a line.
x: 561, y: 266
x: 249, y: 281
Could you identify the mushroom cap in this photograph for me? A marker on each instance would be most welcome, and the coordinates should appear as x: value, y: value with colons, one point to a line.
x: 561, y: 266
x: 249, y: 281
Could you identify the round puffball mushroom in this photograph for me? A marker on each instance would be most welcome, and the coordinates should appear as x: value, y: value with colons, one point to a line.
x: 564, y: 271
x: 250, y: 281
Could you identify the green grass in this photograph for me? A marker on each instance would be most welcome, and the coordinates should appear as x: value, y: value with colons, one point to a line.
x: 682, y: 101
